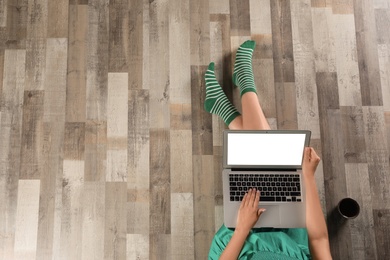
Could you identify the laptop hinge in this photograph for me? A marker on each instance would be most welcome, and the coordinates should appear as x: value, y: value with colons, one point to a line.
x: 268, y: 170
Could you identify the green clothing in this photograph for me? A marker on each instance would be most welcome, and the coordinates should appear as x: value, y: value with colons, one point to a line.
x: 266, y: 243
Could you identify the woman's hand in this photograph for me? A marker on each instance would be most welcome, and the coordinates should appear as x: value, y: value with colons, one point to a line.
x: 310, y: 162
x: 249, y: 211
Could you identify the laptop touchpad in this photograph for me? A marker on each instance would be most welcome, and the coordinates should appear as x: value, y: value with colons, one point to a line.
x: 271, y: 217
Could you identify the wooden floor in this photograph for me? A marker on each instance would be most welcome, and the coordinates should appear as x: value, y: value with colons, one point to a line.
x: 106, y: 151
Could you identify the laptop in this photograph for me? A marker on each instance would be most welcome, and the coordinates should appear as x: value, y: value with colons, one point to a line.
x: 270, y: 161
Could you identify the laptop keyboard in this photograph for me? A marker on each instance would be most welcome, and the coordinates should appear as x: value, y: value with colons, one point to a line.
x: 272, y: 187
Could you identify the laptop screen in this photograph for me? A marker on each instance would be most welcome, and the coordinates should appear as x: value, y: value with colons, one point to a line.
x: 265, y: 149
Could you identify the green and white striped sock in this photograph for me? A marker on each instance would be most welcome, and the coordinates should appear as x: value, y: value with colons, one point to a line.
x: 243, y: 73
x: 216, y: 101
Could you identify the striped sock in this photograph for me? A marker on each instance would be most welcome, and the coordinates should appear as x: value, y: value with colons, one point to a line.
x: 242, y: 73
x: 216, y: 101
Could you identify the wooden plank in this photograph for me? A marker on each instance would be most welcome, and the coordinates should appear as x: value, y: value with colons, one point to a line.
x: 352, y: 128
x: 95, y: 150
x: 143, y: 51
x: 335, y: 184
x: 11, y: 103
x: 219, y: 7
x: 57, y: 19
x: 203, y: 171
x: 182, y: 233
x: 263, y: 69
x: 239, y: 18
x: 362, y: 234
x: 118, y: 35
x: 377, y: 156
x: 53, y: 133
x: 26, y: 224
x: 342, y: 6
x: 160, y: 186
x: 159, y: 98
x: 304, y: 67
x: 160, y: 247
x: 135, y: 38
x: 384, y: 68
x: 343, y: 27
x: 179, y: 52
x: 117, y: 124
x: 53, y: 141
x: 3, y: 13
x: 115, y: 221
x: 286, y: 107
x: 381, y: 227
x: 381, y: 4
x: 382, y: 20
x: 200, y: 31
x: 282, y: 41
x: 180, y: 117
x: 137, y: 246
x: 323, y: 40
x: 218, y: 191
x: 138, y: 179
x: 37, y: 22
x: 72, y: 205
x: 32, y: 141
x: 97, y: 60
x: 366, y: 44
x: 76, y: 77
x: 55, y: 81
x: 93, y: 221
x: 16, y: 18
x: 181, y: 161
x: 74, y: 141
x: 202, y: 122
x: 260, y: 17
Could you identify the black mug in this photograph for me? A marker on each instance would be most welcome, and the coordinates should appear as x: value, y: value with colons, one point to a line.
x: 348, y: 208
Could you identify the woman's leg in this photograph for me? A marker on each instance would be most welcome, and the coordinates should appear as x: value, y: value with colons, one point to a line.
x: 252, y: 115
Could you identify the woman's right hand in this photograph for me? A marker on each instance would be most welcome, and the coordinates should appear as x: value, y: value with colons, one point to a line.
x: 310, y: 161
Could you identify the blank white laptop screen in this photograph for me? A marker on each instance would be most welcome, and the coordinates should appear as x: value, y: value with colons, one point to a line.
x: 270, y: 149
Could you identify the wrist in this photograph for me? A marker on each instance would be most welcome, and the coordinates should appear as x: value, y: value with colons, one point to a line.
x: 242, y: 232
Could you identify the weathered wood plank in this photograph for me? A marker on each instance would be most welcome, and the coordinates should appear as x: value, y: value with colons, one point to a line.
x: 137, y: 246
x: 32, y: 135
x: 76, y: 76
x: 135, y: 39
x: 118, y: 35
x: 304, y: 67
x: 26, y: 224
x: 57, y: 18
x: 201, y: 120
x: 182, y: 233
x: 181, y: 161
x: 260, y: 17
x: 384, y: 67
x: 282, y: 41
x: 352, y: 127
x: 343, y: 29
x: 115, y: 221
x: 97, y: 60
x: 366, y: 44
x: 203, y: 168
x: 239, y: 18
x: 200, y: 30
x: 160, y: 186
x: 117, y: 124
x: 381, y: 227
x: 362, y: 233
x: 179, y: 52
x: 71, y: 213
x: 93, y: 220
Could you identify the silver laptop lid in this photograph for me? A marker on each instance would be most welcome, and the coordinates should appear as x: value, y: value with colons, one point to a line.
x: 264, y: 149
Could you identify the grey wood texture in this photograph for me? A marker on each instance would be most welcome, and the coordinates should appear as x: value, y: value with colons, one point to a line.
x: 106, y: 151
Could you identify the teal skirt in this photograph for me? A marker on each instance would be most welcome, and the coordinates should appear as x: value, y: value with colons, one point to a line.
x: 266, y: 243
